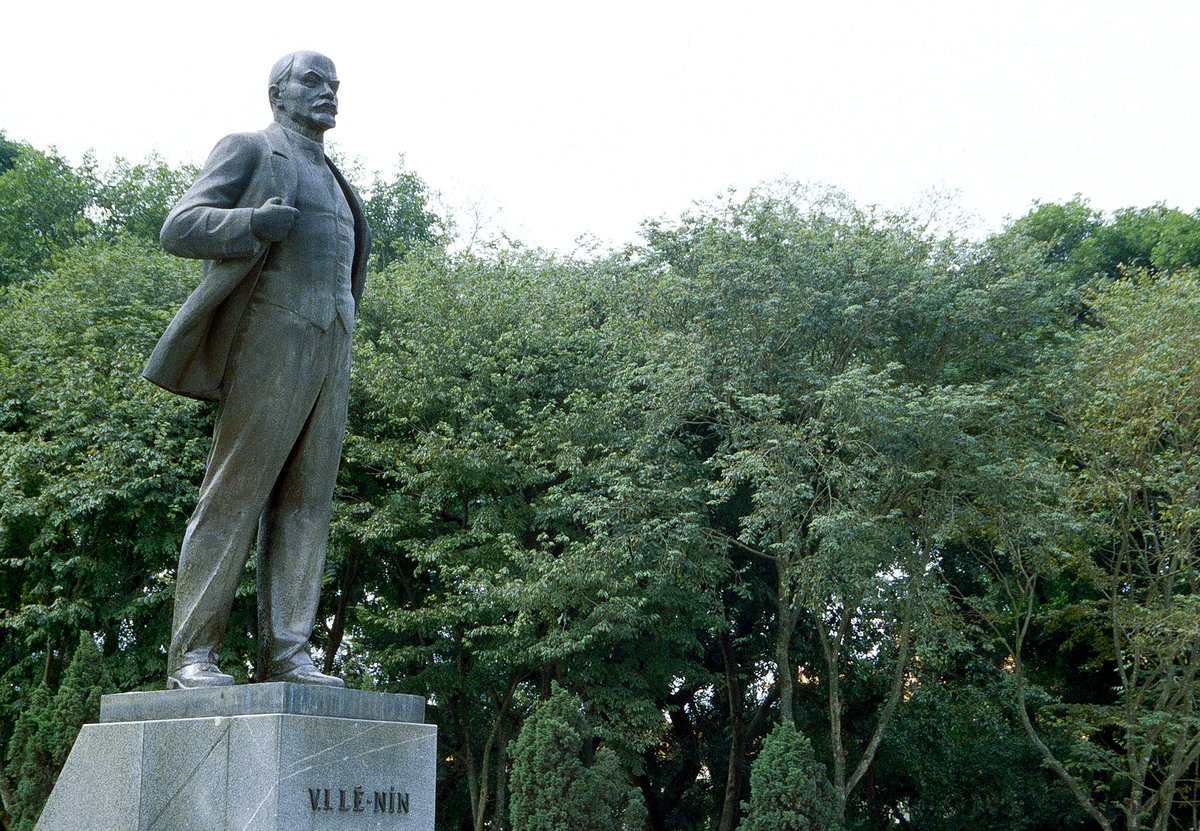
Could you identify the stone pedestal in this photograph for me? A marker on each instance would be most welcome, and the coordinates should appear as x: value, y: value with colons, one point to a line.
x: 258, y: 757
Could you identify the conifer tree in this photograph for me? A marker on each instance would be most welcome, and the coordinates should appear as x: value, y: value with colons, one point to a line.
x: 47, y: 729
x: 553, y: 789
x: 29, y: 766
x: 77, y: 701
x: 789, y: 788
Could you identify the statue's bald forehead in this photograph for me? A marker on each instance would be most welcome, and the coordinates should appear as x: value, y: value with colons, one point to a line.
x: 283, y: 68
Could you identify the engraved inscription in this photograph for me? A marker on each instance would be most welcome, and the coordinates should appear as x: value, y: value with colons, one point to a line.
x: 354, y: 800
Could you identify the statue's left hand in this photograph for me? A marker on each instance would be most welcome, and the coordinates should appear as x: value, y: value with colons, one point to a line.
x: 273, y: 220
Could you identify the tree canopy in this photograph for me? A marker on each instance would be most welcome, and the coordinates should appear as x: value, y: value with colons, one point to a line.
x: 796, y: 513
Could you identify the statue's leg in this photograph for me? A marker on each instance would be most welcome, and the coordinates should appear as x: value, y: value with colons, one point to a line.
x: 266, y: 401
x: 294, y: 532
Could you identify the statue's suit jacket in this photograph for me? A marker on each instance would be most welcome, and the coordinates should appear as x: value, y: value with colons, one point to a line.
x: 212, y: 222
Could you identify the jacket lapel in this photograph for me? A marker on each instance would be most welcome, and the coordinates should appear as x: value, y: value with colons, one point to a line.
x: 285, y: 179
x: 362, y: 233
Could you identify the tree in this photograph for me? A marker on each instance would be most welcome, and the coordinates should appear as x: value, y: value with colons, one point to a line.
x: 46, y: 731
x: 398, y: 212
x: 556, y: 786
x: 29, y: 763
x: 9, y: 151
x: 790, y: 460
x: 99, y: 467
x: 46, y: 205
x: 42, y: 202
x: 958, y: 759
x: 1085, y: 243
x: 1128, y: 409
x: 490, y: 504
x: 789, y: 788
x: 840, y: 371
x: 136, y: 198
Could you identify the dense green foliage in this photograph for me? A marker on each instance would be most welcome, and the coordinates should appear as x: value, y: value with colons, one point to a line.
x: 957, y: 758
x: 42, y: 199
x: 8, y: 153
x: 1087, y: 244
x: 788, y: 468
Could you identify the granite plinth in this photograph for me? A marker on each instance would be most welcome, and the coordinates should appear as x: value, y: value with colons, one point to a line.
x: 280, y: 698
x: 237, y: 771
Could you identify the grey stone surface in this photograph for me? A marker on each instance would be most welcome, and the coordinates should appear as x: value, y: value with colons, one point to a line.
x: 98, y: 788
x: 274, y: 772
x: 254, y: 743
x: 195, y: 755
x: 343, y: 765
x: 252, y: 699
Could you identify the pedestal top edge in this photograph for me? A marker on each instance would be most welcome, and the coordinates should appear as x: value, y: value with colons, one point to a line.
x: 279, y: 697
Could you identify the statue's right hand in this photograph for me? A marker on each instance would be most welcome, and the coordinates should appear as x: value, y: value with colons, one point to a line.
x: 273, y: 220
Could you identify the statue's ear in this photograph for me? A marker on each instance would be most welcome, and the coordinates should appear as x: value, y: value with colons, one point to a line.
x: 273, y: 94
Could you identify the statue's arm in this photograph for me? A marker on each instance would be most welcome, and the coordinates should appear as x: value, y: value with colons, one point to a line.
x: 210, y: 222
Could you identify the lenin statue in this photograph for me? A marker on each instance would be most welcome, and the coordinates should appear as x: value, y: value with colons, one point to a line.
x: 266, y: 334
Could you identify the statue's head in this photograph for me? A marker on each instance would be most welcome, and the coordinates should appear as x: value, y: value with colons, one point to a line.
x: 303, y: 93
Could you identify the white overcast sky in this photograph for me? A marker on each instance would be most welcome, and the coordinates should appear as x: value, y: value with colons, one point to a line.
x: 568, y: 118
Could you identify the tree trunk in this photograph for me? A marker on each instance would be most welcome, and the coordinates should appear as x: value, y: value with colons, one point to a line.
x: 1016, y: 652
x: 477, y: 778
x: 7, y: 798
x: 654, y: 818
x: 737, y: 737
x: 475, y: 788
x: 500, y: 816
x: 48, y: 666
x: 733, y: 776
x: 889, y: 707
x: 831, y: 648
x: 874, y: 809
x: 349, y: 578
x: 659, y: 804
x: 788, y: 616
x: 740, y: 732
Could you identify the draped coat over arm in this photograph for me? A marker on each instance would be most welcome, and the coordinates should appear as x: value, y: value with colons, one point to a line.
x: 212, y: 222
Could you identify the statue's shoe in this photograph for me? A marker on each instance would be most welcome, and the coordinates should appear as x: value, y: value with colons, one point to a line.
x: 307, y: 675
x: 194, y: 676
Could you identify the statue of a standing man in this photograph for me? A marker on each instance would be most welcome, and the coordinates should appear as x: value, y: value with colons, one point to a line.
x: 267, y: 334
